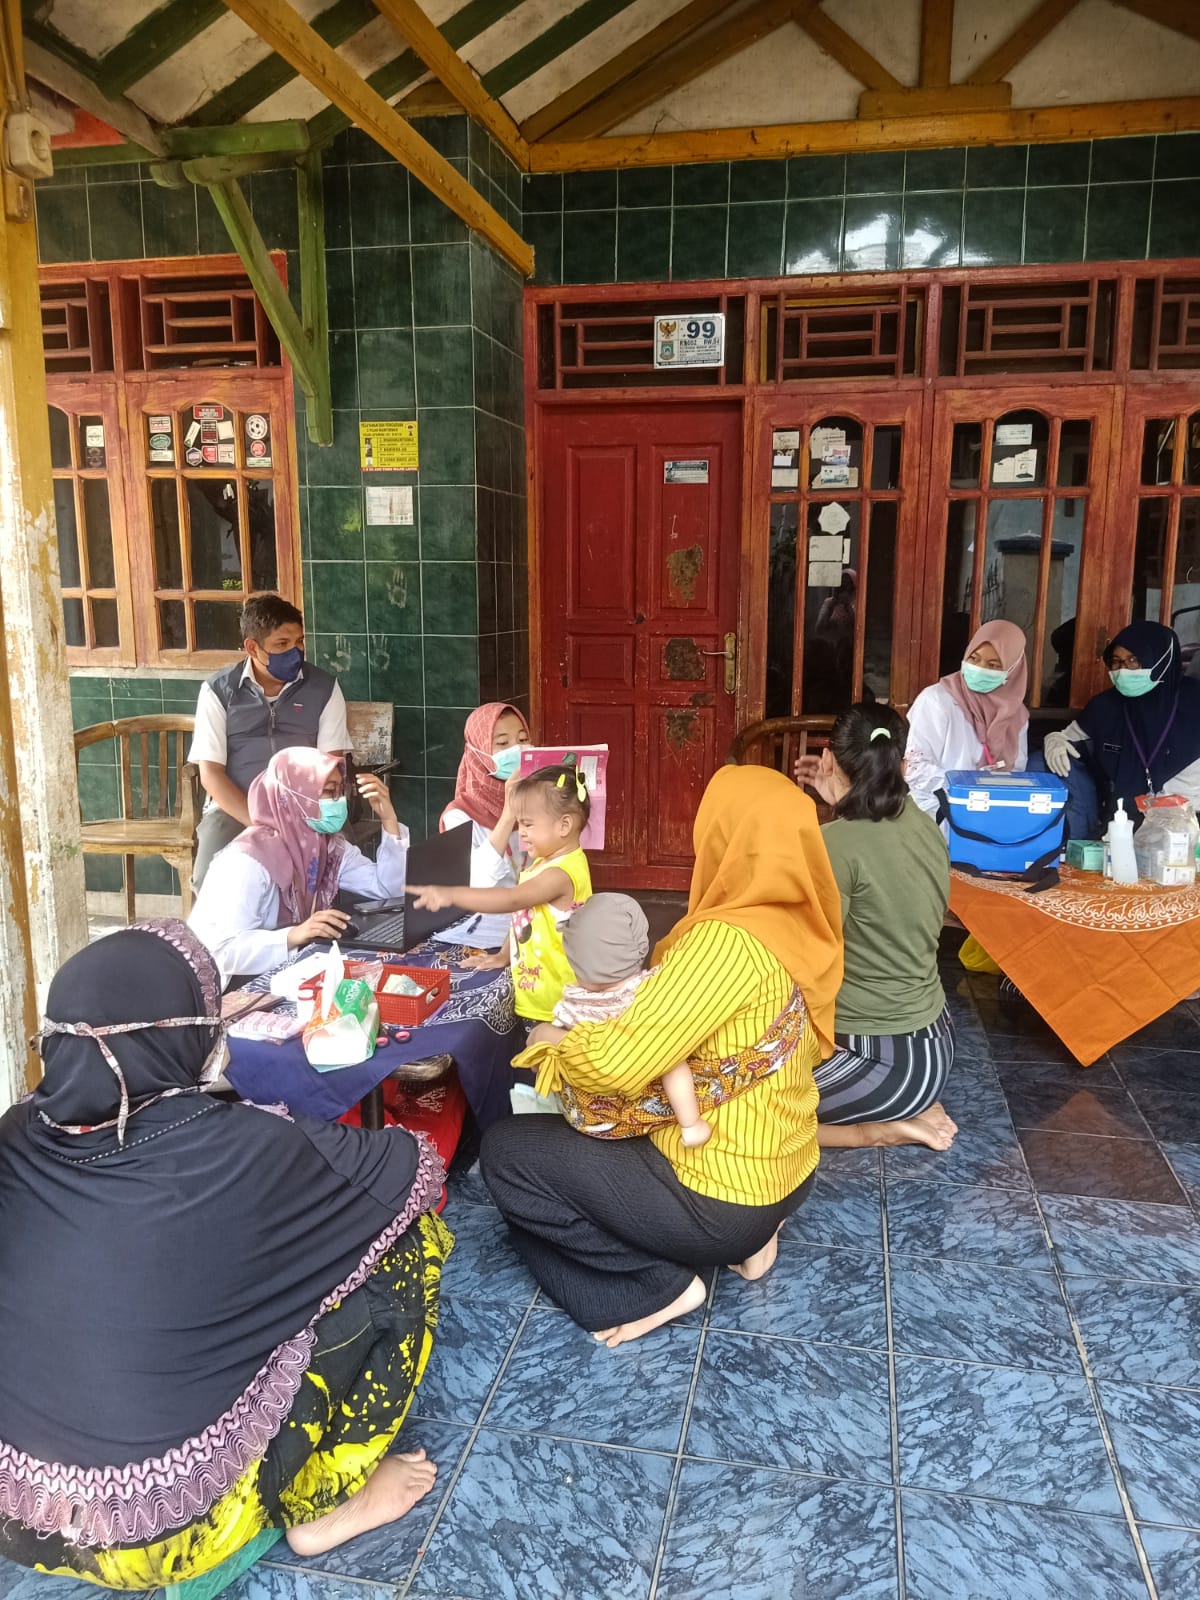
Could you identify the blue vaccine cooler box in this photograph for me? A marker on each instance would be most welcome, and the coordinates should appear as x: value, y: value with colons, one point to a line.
x: 1004, y: 821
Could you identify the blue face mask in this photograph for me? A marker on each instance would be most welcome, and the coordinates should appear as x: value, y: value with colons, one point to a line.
x: 332, y: 818
x: 1133, y: 681
x: 982, y: 680
x: 286, y: 665
x: 506, y: 762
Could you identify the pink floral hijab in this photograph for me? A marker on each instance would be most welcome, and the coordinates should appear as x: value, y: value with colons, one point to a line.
x: 999, y: 717
x: 304, y: 865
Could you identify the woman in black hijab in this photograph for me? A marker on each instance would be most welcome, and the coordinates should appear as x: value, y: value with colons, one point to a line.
x: 1142, y: 736
x: 213, y: 1317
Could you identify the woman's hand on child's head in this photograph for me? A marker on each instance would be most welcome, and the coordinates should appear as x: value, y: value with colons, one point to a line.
x: 431, y: 897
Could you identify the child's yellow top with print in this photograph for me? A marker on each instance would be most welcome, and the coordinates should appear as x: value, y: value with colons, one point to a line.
x: 539, y: 963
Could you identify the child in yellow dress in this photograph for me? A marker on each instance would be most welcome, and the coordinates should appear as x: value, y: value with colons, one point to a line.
x: 551, y: 807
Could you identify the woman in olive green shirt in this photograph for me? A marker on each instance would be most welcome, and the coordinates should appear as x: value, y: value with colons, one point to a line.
x: 894, y: 1038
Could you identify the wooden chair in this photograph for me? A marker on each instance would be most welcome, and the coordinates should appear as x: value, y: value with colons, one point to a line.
x: 160, y: 798
x: 779, y: 742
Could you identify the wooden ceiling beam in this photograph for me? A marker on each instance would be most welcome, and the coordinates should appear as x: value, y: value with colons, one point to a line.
x: 662, y: 76
x: 937, y: 41
x: 1181, y: 16
x: 1021, y: 41
x: 1025, y: 125
x: 82, y: 90
x: 415, y: 28
x: 278, y: 25
x: 846, y: 51
x: 650, y: 47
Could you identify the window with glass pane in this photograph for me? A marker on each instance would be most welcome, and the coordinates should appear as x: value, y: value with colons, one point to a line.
x: 79, y: 457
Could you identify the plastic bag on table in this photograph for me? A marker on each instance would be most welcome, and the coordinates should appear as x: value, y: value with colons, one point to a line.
x: 1165, y: 844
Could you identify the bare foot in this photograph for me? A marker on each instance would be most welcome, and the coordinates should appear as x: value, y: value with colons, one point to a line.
x: 933, y: 1128
x: 393, y: 1489
x: 690, y: 1300
x: 761, y: 1262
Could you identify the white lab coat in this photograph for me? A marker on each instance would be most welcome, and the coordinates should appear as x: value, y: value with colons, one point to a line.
x: 238, y: 906
x: 489, y: 869
x: 941, y: 740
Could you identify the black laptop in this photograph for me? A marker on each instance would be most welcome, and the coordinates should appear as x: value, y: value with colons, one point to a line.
x: 397, y: 924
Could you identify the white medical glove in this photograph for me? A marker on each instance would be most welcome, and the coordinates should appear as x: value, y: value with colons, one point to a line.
x: 1059, y: 751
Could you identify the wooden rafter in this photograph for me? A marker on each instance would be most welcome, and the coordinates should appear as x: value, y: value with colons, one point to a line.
x: 1035, y: 124
x: 278, y: 25
x: 1182, y: 16
x: 415, y: 28
x: 650, y: 47
x: 661, y: 77
x: 937, y: 40
x: 846, y: 51
x: 1024, y: 38
x: 83, y: 91
x: 552, y: 42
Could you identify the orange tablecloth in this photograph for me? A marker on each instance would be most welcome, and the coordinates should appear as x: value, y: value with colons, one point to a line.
x: 1097, y: 960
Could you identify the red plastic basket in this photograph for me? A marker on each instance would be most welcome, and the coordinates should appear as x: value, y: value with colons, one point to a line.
x: 410, y: 1010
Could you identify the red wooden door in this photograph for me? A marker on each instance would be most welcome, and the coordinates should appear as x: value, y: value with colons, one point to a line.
x: 639, y: 537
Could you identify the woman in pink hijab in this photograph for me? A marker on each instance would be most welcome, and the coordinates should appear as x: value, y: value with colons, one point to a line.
x: 975, y: 717
x: 272, y: 890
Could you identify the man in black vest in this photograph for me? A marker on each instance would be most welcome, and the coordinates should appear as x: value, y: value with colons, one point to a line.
x: 270, y: 701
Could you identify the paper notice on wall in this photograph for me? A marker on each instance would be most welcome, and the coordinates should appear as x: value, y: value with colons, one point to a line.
x: 785, y: 439
x: 685, y: 471
x: 824, y: 574
x: 824, y: 547
x: 1014, y: 433
x: 389, y: 508
x: 1021, y: 468
x: 833, y: 518
x: 388, y: 446
x: 833, y: 475
x: 785, y: 477
x: 822, y: 440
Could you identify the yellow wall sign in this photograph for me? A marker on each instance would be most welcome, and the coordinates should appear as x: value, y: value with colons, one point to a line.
x: 387, y: 446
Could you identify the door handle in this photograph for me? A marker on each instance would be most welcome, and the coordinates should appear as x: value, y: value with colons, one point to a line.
x: 730, y: 654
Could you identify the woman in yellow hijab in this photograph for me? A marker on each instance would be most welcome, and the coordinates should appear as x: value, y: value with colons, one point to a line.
x: 616, y: 1230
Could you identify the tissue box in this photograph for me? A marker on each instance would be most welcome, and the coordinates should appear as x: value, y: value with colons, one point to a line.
x: 1014, y: 818
x: 411, y: 1010
x: 1086, y: 854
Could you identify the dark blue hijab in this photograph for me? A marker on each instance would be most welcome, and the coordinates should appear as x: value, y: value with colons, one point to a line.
x: 1159, y: 730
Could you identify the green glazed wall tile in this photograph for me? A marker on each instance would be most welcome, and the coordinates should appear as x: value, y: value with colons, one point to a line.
x: 273, y: 201
x: 447, y: 135
x: 439, y: 793
x: 335, y: 522
x: 1175, y: 218
x: 1122, y: 160
x: 1178, y: 156
x: 441, y: 285
x: 545, y: 234
x: 444, y: 740
x: 542, y: 191
x: 643, y: 186
x: 997, y: 166
x: 379, y: 204
x: 102, y: 874
x: 702, y: 185
x: 116, y: 213
x: 755, y: 240
x: 392, y: 544
x: 1054, y: 224
x: 993, y: 224
x: 408, y: 797
x: 339, y: 598
x: 589, y: 246
x: 382, y: 292
x: 447, y: 523
x: 1058, y: 165
x: 337, y: 463
x: 757, y: 181
x: 346, y: 655
x: 451, y: 672
x: 589, y: 191
x: 698, y: 241
x: 339, y: 279
x: 932, y: 230
x: 448, y: 597
x: 813, y: 240
x: 934, y: 169
x: 875, y: 172
x: 385, y: 369
x: 445, y: 366
x: 393, y: 597
x: 336, y: 191
x: 397, y: 673
x: 343, y: 369
x: 644, y: 245
x: 447, y: 445
x: 1118, y: 222
x: 871, y: 241
x: 432, y: 221
x: 169, y: 217
x: 408, y: 738
x: 815, y: 177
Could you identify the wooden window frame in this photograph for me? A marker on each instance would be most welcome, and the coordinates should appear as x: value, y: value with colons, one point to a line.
x: 123, y: 395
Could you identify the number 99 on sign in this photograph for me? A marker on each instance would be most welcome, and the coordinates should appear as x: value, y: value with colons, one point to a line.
x: 695, y: 329
x: 690, y: 341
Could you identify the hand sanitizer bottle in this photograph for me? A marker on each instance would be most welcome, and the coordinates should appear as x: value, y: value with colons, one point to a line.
x: 1120, y: 843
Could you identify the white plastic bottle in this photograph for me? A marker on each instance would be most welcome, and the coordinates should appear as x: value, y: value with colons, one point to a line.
x: 1120, y: 844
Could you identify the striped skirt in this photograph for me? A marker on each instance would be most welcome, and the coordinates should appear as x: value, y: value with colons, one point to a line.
x: 883, y: 1077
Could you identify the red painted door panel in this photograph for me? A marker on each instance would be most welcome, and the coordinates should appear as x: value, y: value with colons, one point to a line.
x: 639, y: 590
